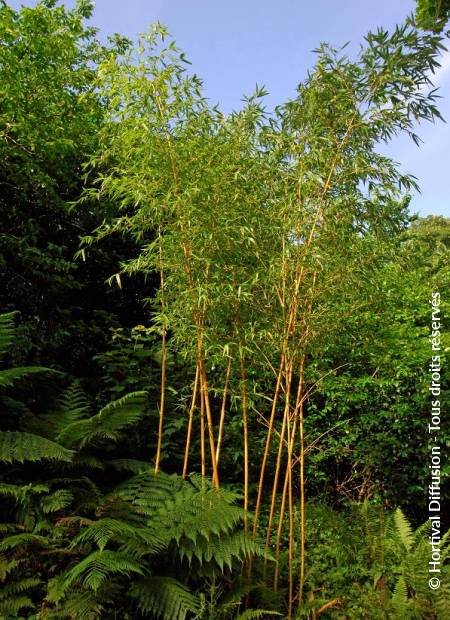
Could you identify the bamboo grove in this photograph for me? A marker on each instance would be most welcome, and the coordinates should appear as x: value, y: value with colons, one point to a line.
x: 269, y: 228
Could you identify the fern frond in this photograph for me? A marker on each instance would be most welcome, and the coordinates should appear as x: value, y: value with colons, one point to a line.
x: 200, y: 521
x: 88, y: 460
x: 18, y: 587
x: 79, y: 604
x: 21, y: 447
x: 222, y: 550
x: 56, y: 501
x: 400, y: 596
x: 403, y: 529
x: 145, y: 493
x: 12, y: 606
x: 442, y: 602
x: 133, y: 465
x: 164, y: 598
x: 73, y: 404
x: 7, y: 566
x: 7, y: 528
x: 22, y: 540
x: 7, y: 331
x: 107, y: 424
x: 21, y: 492
x: 251, y: 614
x: 104, y: 530
x: 95, y: 569
x: 204, y: 513
x: 10, y: 375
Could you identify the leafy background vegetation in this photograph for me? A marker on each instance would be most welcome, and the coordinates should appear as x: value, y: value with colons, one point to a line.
x: 214, y: 339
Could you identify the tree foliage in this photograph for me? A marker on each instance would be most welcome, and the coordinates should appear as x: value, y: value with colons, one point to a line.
x: 432, y: 14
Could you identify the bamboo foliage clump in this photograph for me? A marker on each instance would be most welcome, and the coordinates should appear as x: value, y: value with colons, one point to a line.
x: 266, y: 231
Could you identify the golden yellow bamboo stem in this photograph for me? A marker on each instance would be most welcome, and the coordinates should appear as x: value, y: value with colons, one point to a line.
x: 278, y: 463
x: 163, y: 369
x: 202, y: 433
x: 161, y: 402
x: 291, y: 440
x: 267, y: 448
x: 299, y: 408
x: 287, y: 490
x: 245, y: 424
x: 302, y: 505
x: 189, y: 430
x: 205, y: 392
x: 222, y: 412
x: 288, y: 477
x: 279, y: 533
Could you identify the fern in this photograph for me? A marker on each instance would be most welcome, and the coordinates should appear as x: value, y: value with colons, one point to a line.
x: 79, y: 604
x: 7, y: 331
x: 18, y: 587
x: 400, y: 597
x: 404, y: 530
x: 22, y: 540
x: 71, y: 406
x: 96, y: 568
x: 22, y: 447
x: 222, y: 551
x: 165, y: 598
x: 107, y: 424
x: 88, y: 460
x: 177, y: 504
x: 143, y: 494
x: 22, y: 492
x: 204, y: 513
x: 10, y: 375
x: 7, y: 566
x: 56, y: 501
x: 132, y: 465
x: 200, y: 522
x: 252, y: 614
x: 144, y: 516
x: 442, y: 601
x: 104, y: 530
x: 7, y: 528
x: 12, y: 606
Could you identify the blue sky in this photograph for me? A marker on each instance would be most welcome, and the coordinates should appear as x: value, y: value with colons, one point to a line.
x: 234, y: 44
